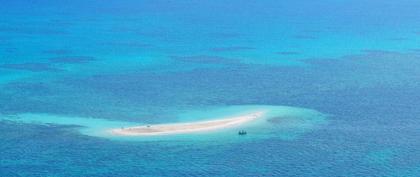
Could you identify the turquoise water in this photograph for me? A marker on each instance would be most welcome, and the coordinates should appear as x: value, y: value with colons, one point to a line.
x: 278, y: 121
x: 339, y: 78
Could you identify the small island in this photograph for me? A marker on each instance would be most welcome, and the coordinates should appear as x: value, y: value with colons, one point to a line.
x: 191, y: 127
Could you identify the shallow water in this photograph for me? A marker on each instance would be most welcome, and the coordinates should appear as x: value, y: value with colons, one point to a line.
x: 341, y: 78
x: 302, y: 120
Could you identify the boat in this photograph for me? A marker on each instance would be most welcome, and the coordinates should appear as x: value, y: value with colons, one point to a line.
x: 242, y: 132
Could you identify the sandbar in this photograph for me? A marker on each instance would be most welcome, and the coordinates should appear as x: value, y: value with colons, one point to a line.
x: 191, y: 127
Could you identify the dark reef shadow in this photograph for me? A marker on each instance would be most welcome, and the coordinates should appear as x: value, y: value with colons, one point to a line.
x: 72, y: 59
x: 33, y: 67
x: 29, y: 31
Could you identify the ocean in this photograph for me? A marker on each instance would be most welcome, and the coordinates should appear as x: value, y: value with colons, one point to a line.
x: 340, y: 80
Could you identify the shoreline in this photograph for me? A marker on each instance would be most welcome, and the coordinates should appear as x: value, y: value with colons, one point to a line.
x: 191, y: 127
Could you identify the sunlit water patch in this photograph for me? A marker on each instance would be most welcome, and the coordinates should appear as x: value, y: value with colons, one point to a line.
x: 282, y: 122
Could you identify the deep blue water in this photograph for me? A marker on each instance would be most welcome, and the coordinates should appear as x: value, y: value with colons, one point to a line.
x: 355, y: 62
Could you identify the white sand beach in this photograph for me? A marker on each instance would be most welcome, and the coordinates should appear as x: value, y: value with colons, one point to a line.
x: 177, y: 128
